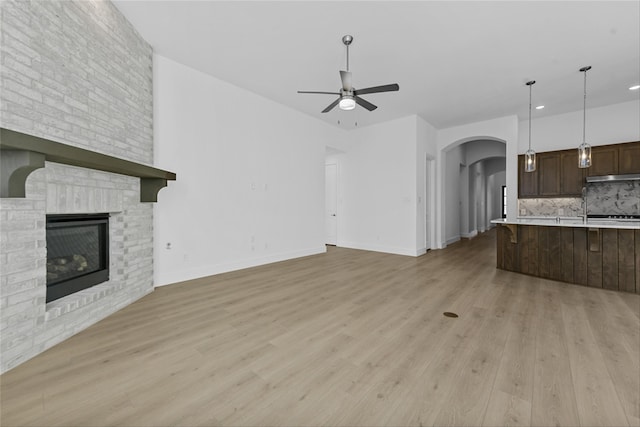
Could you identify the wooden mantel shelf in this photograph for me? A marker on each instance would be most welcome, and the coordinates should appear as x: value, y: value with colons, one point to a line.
x: 22, y: 154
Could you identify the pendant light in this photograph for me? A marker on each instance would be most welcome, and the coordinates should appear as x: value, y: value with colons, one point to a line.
x: 584, y: 150
x: 530, y: 155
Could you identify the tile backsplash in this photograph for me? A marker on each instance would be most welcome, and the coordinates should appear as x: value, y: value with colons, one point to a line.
x: 605, y: 198
x: 560, y: 206
x: 614, y: 198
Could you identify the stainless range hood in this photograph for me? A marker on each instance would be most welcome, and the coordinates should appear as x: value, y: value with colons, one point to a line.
x: 612, y: 178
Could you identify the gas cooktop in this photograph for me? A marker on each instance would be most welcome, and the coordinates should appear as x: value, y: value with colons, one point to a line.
x: 615, y: 217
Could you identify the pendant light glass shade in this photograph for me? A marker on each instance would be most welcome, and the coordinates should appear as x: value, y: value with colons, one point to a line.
x: 530, y: 155
x: 584, y: 150
x: 584, y: 155
x: 530, y: 161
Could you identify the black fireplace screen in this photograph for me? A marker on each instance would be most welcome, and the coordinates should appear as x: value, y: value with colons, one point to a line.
x: 77, y: 253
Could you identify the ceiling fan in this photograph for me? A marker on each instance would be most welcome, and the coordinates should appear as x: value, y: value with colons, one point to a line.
x: 348, y: 95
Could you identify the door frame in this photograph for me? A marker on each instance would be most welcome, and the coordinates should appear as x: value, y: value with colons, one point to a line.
x: 335, y: 164
x: 429, y: 202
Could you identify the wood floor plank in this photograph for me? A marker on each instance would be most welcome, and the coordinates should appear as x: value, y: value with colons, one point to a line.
x: 619, y: 345
x: 596, y: 397
x: 347, y: 338
x: 468, y: 398
x: 506, y: 409
x: 512, y: 392
x: 554, y: 400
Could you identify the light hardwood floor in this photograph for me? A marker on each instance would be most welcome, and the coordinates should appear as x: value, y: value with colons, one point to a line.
x: 349, y: 338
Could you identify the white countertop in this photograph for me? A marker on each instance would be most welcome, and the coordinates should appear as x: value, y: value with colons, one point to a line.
x: 571, y: 222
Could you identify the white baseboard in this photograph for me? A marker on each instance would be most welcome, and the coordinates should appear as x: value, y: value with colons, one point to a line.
x: 177, y: 276
x: 470, y: 235
x: 382, y: 248
x: 452, y: 240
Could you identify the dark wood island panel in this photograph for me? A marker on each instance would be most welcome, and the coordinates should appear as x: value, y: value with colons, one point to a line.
x: 605, y: 258
x: 637, y: 263
x: 610, y: 254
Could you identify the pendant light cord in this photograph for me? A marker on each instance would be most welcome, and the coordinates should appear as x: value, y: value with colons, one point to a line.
x: 584, y: 106
x: 530, y: 84
x: 584, y: 109
x: 530, y: 115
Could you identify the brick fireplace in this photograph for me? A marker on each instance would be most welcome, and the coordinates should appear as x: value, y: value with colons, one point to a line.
x: 74, y: 72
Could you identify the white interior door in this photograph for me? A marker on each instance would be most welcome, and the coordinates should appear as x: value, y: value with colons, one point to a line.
x: 331, y: 197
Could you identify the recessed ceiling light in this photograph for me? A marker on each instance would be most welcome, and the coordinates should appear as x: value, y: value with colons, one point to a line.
x: 636, y: 87
x: 539, y: 107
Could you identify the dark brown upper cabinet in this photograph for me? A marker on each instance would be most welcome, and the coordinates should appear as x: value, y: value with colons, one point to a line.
x: 571, y: 176
x: 629, y: 158
x: 527, y: 181
x: 604, y: 160
x: 549, y: 174
x: 558, y: 174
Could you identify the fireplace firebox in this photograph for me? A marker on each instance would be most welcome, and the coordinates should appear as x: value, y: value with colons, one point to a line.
x: 77, y: 253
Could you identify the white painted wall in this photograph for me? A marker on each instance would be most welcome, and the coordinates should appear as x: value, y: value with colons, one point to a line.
x: 480, y: 193
x: 494, y: 201
x: 496, y: 178
x: 464, y: 210
x: 453, y: 198
x: 485, y: 179
x: 469, y: 205
x: 378, y: 188
x: 480, y: 150
x: 605, y: 125
x: 250, y: 177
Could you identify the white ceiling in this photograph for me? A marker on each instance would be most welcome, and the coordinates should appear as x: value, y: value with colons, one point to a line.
x: 456, y: 62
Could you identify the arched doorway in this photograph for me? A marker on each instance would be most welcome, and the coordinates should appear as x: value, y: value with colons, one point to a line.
x: 474, y: 171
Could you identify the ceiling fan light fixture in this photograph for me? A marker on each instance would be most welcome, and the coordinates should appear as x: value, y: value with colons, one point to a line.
x: 348, y: 96
x: 347, y: 103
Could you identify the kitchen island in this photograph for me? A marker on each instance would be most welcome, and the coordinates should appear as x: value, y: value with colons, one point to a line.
x: 597, y: 253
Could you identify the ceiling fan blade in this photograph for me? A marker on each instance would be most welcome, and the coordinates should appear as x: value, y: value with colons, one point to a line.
x: 366, y: 104
x: 324, y: 93
x: 345, y: 76
x: 384, y: 88
x: 331, y: 106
